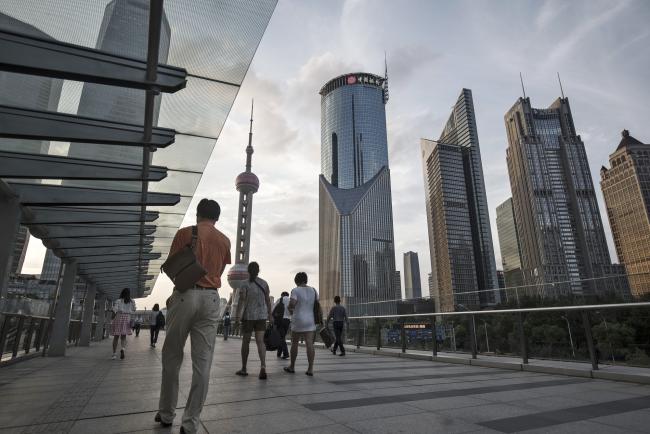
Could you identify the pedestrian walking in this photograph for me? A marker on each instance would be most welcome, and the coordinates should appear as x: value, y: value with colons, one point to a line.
x: 226, y: 326
x: 123, y: 308
x: 193, y: 312
x: 303, y: 304
x: 156, y: 322
x: 137, y: 327
x: 254, y: 309
x: 282, y: 321
x: 339, y: 318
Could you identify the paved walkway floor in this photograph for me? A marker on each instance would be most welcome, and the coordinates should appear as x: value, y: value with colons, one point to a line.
x: 86, y: 392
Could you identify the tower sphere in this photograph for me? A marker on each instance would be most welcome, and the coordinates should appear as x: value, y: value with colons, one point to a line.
x: 247, y: 182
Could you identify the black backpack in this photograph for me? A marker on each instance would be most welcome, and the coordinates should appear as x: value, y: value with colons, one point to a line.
x: 278, y: 311
x: 160, y: 320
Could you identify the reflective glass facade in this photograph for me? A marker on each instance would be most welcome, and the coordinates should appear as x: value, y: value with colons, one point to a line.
x: 560, y: 231
x: 460, y: 238
x: 509, y: 244
x: 357, y: 258
x: 353, y: 129
x: 412, y: 285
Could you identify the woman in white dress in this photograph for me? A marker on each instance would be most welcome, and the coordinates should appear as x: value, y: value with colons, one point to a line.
x: 123, y: 308
x: 303, y: 323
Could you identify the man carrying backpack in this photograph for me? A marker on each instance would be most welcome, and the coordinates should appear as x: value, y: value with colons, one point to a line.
x: 282, y: 321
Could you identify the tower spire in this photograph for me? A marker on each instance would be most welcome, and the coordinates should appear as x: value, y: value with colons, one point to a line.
x: 521, y: 78
x: 249, y: 148
x: 560, y: 81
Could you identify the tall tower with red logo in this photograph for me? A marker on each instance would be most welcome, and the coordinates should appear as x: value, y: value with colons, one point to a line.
x: 356, y: 243
x: 247, y: 184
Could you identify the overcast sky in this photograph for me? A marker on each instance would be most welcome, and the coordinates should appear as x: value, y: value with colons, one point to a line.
x: 434, y: 49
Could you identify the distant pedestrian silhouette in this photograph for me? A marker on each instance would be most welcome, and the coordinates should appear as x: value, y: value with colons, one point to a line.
x: 339, y: 318
x: 123, y: 308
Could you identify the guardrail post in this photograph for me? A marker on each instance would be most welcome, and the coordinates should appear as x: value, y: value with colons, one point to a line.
x: 522, y: 339
x: 359, y: 325
x: 19, y: 332
x: 403, y: 335
x: 3, y: 333
x: 590, y: 339
x: 378, y: 323
x: 434, y: 336
x: 28, y: 337
x: 472, y: 333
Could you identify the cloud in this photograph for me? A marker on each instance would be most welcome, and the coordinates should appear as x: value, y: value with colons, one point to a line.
x: 289, y: 228
x: 404, y: 61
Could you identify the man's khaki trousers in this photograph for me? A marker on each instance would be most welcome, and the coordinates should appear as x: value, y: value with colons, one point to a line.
x: 194, y: 313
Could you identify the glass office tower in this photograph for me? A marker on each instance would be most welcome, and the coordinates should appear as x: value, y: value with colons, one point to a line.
x: 561, y: 236
x: 356, y: 247
x: 509, y: 243
x: 460, y: 240
x: 122, y: 32
x: 412, y: 286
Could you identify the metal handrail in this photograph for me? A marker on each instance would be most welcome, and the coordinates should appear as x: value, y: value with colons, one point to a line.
x: 496, y: 311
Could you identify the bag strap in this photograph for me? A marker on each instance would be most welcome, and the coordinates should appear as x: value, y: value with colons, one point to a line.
x: 259, y: 286
x: 195, y: 236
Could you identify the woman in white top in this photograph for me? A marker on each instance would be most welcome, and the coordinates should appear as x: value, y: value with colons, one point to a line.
x: 303, y: 323
x: 123, y: 308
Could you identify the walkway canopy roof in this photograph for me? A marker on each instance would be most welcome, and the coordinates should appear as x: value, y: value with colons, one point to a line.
x: 101, y: 138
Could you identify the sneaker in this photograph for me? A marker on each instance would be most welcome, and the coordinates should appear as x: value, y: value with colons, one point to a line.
x: 160, y: 421
x: 121, y: 354
x: 113, y: 357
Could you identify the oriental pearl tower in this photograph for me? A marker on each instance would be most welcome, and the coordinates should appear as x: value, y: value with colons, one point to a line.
x: 247, y: 184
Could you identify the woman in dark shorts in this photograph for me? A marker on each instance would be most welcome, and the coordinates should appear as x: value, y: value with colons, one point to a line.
x: 254, y: 309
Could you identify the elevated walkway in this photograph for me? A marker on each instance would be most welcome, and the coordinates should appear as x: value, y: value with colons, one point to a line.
x: 86, y: 392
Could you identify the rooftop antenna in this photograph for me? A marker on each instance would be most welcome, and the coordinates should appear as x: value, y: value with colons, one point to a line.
x: 249, y: 148
x: 385, y: 84
x: 521, y: 78
x: 560, y: 81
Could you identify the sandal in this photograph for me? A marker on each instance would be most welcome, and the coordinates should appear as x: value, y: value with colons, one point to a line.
x: 289, y: 370
x: 262, y: 375
x: 241, y: 373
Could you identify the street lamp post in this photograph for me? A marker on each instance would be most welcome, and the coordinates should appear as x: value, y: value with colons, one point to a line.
x: 568, y: 326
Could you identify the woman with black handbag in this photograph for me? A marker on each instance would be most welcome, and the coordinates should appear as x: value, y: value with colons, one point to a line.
x: 254, y: 309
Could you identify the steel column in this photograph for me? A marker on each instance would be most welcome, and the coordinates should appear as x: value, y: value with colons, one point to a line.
x: 9, y: 222
x: 59, y: 337
x: 89, y: 310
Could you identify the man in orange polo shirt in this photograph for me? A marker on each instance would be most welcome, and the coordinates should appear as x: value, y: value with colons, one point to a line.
x: 194, y: 313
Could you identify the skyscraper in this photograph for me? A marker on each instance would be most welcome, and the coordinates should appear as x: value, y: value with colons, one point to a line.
x: 357, y: 259
x: 20, y: 249
x: 412, y: 285
x: 560, y: 232
x: 124, y: 31
x: 51, y: 265
x: 626, y: 188
x: 509, y: 243
x: 460, y: 241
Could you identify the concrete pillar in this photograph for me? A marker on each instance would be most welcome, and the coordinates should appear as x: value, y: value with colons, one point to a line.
x: 101, y: 316
x: 59, y: 338
x: 87, y: 322
x: 10, y: 223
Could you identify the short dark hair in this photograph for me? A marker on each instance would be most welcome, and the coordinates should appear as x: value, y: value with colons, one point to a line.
x: 126, y: 295
x: 156, y: 307
x: 208, y: 209
x: 301, y: 278
x: 284, y: 294
x: 253, y: 270
x: 337, y: 299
